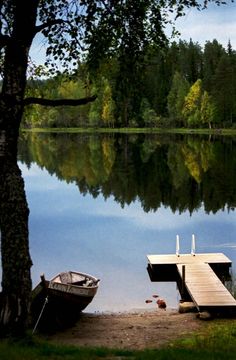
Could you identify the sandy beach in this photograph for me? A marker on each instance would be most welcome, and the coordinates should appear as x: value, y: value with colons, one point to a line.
x: 132, y: 330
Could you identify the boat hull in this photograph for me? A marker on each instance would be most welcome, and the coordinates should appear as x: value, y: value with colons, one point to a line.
x: 61, y: 303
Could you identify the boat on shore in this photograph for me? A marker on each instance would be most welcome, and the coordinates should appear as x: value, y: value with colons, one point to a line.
x: 58, y: 302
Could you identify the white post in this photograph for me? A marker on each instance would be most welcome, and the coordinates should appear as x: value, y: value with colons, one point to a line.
x: 177, y: 245
x: 193, y: 248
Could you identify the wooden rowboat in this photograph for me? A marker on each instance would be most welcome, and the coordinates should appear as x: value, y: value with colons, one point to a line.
x: 58, y: 302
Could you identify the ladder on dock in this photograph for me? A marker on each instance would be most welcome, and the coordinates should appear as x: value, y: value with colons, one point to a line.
x: 196, y: 273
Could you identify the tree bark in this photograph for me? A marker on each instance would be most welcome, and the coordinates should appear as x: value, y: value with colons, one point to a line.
x: 16, y: 261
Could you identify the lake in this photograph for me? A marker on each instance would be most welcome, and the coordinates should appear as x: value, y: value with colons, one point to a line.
x: 100, y: 203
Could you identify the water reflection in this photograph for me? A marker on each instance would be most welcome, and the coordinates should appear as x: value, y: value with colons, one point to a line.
x: 135, y: 194
x: 182, y: 173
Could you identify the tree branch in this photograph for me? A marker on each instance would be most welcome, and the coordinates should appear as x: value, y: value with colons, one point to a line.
x: 59, y: 102
x: 107, y: 8
x: 48, y: 24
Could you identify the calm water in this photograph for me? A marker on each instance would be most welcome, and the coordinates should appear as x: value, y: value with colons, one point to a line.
x: 100, y: 204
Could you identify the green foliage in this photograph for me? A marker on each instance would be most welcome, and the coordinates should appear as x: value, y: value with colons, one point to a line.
x: 157, y: 79
x: 207, y: 110
x: 198, y: 108
x: 176, y: 97
x: 192, y: 104
x: 56, y: 88
x: 97, y: 30
x: 224, y: 91
x: 107, y: 105
x: 213, y: 51
x: 94, y: 115
x: 147, y: 94
x: 148, y: 114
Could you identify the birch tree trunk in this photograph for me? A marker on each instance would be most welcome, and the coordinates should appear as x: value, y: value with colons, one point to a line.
x: 16, y: 261
x: 14, y: 212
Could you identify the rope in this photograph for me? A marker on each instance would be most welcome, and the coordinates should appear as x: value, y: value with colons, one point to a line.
x: 41, y: 313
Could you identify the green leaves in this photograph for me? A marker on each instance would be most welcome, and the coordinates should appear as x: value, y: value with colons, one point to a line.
x: 76, y: 29
x: 100, y: 29
x: 198, y: 108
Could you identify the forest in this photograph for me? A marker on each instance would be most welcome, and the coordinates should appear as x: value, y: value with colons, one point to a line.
x: 181, y: 85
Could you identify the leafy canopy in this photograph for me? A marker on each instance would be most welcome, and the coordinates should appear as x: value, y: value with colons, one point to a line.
x: 96, y: 29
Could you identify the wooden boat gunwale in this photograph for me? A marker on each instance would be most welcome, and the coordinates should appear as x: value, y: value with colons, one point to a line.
x: 72, y: 287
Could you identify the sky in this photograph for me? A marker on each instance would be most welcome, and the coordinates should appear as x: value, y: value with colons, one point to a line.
x: 216, y: 22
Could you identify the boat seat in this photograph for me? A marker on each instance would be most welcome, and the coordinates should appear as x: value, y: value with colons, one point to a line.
x: 66, y: 277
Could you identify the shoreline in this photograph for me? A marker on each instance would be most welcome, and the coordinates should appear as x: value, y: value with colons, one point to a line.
x: 134, y: 311
x: 139, y: 329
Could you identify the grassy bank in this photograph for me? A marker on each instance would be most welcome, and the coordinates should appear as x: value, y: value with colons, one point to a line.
x: 217, y: 341
x: 231, y: 132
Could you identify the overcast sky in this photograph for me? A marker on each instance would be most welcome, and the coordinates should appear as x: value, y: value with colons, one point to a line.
x: 216, y: 22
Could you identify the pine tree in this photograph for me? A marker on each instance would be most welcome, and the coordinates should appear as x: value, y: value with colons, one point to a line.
x: 212, y: 54
x: 224, y: 91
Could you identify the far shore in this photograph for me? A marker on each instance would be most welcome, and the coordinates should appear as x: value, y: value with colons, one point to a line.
x: 207, y: 131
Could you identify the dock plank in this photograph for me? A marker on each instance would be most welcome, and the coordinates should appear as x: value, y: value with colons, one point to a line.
x: 205, y: 287
x: 168, y: 259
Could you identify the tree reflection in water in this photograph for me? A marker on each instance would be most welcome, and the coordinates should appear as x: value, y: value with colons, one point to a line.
x: 179, y: 172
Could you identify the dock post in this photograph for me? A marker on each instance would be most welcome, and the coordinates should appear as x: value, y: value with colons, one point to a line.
x: 177, y: 245
x: 183, y: 281
x: 193, y: 247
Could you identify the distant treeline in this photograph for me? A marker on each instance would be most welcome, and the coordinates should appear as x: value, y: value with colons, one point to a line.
x: 183, y: 85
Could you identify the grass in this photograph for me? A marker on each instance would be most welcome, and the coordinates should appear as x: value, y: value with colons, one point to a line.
x: 216, y: 341
x: 231, y: 132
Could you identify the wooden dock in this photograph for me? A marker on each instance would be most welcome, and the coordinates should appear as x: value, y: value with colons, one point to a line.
x: 198, y: 274
x: 211, y: 258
